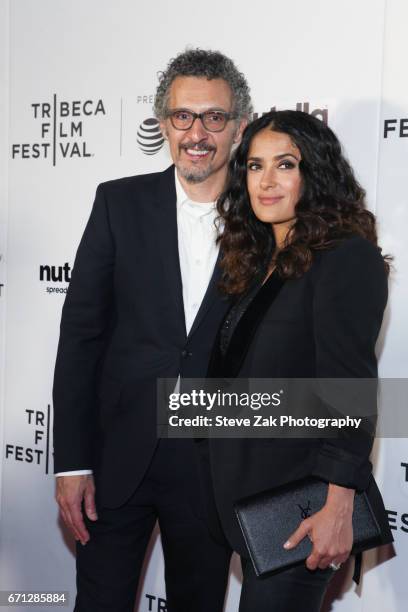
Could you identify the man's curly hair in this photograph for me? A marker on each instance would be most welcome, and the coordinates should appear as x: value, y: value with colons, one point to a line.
x: 209, y: 65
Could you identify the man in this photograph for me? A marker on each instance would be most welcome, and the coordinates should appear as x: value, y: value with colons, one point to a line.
x: 143, y: 304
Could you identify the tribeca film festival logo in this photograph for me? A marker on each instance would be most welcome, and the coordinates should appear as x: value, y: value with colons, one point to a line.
x: 60, y: 130
x: 55, y: 274
x: 38, y: 453
x: 398, y: 521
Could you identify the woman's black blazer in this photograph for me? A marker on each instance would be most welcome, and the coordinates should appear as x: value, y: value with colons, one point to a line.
x: 322, y: 325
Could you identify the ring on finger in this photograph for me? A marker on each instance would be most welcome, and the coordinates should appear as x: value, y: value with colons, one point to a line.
x: 335, y: 566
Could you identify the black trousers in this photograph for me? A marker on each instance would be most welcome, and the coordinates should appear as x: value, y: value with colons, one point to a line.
x: 196, y: 567
x: 293, y: 590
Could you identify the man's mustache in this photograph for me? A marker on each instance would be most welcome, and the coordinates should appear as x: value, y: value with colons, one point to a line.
x: 198, y: 146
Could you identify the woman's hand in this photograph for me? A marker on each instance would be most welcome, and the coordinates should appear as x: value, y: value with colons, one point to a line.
x: 330, y: 529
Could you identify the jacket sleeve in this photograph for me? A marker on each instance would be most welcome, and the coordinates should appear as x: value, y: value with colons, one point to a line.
x: 86, y: 317
x: 349, y: 301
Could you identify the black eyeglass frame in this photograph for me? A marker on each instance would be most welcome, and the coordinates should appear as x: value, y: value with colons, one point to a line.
x: 227, y: 115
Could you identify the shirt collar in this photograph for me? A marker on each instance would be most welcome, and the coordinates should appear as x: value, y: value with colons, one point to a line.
x: 199, y: 209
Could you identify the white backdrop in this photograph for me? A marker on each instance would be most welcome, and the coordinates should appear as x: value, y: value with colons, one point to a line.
x: 82, y: 75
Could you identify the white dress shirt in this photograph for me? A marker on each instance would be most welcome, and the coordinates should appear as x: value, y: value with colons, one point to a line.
x: 198, y: 252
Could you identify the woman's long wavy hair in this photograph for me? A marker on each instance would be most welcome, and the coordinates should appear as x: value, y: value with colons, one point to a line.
x: 331, y: 207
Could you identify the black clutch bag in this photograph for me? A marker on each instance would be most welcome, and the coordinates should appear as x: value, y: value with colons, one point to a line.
x: 267, y: 520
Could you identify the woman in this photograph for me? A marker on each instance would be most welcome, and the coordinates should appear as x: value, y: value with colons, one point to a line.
x: 300, y: 254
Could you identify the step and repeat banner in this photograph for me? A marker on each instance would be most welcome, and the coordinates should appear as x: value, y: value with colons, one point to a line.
x: 4, y: 55
x: 79, y: 80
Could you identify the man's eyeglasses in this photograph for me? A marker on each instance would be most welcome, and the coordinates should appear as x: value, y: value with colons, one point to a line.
x: 213, y: 121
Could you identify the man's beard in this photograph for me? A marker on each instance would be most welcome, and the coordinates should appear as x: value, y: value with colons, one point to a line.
x: 195, y: 175
x: 192, y: 174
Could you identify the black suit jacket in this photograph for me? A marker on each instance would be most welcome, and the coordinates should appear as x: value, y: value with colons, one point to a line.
x: 322, y: 325
x: 123, y: 327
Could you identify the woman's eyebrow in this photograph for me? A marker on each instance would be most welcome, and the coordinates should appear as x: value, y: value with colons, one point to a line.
x: 277, y: 157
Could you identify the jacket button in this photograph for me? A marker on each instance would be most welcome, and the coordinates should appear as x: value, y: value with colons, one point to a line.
x: 185, y: 353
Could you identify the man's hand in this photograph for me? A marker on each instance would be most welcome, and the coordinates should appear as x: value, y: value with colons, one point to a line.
x: 71, y: 490
x: 330, y: 530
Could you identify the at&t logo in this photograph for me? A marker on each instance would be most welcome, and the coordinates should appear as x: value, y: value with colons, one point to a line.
x: 149, y: 136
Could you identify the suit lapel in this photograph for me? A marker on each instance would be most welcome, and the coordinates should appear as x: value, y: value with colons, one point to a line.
x: 167, y: 239
x: 230, y: 365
